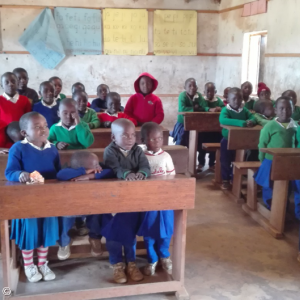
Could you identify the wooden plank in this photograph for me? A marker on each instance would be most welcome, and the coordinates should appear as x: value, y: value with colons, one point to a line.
x: 282, y: 55
x: 237, y: 185
x: 211, y: 146
x: 247, y: 164
x: 104, y: 196
x: 5, y: 253
x: 202, y: 122
x: 251, y: 190
x: 218, y: 174
x: 283, y: 167
x: 282, y: 151
x: 193, y: 146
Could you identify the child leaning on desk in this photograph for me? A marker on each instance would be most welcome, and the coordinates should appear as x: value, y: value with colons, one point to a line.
x: 232, y: 115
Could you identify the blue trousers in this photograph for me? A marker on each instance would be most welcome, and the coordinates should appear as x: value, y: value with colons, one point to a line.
x: 115, y: 252
x: 227, y: 157
x: 157, y: 248
x: 93, y: 223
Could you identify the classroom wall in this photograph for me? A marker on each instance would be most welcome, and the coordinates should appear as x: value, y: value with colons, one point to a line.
x: 283, y: 26
x: 119, y: 72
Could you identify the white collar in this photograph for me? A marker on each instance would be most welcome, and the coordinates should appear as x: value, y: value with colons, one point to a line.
x: 125, y: 152
x: 237, y: 111
x: 292, y: 124
x: 47, y: 145
x: 112, y: 115
x: 196, y: 96
x: 61, y: 125
x: 51, y: 105
x: 13, y: 99
x: 57, y: 97
x: 265, y: 117
x: 215, y: 99
x: 144, y: 148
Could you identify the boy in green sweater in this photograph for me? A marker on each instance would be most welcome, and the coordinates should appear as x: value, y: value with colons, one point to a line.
x: 293, y: 96
x: 264, y: 112
x: 247, y: 89
x: 70, y: 132
x: 88, y: 115
x: 278, y: 133
x: 233, y: 115
x: 211, y: 103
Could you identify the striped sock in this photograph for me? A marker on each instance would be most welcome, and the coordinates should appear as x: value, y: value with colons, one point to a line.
x: 42, y: 255
x: 28, y: 257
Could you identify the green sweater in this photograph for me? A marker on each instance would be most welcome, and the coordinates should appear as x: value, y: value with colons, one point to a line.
x: 261, y: 119
x: 233, y: 118
x: 296, y: 114
x: 79, y: 137
x: 185, y: 104
x: 90, y: 117
x: 250, y: 104
x: 206, y: 104
x: 274, y: 135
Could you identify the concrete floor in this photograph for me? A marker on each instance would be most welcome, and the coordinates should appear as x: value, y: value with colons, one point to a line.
x: 228, y: 257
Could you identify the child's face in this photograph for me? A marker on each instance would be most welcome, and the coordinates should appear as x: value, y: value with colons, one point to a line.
x: 126, y: 137
x: 264, y: 95
x: 191, y: 87
x: 269, y: 110
x: 78, y: 88
x: 102, y: 92
x: 292, y: 95
x: 57, y: 86
x: 210, y: 91
x: 146, y: 85
x: 66, y: 113
x: 226, y: 93
x: 113, y: 104
x: 81, y: 102
x: 235, y: 100
x: 47, y: 92
x: 284, y: 111
x: 37, y: 130
x: 247, y: 89
x: 92, y: 162
x: 23, y: 80
x: 9, y: 84
x: 154, y: 140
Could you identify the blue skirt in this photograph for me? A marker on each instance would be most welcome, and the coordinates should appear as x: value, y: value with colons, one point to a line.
x: 157, y: 224
x: 122, y: 228
x: 179, y: 135
x: 263, y: 174
x: 36, y: 232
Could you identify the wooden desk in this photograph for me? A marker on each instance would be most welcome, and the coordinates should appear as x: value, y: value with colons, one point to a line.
x: 66, y: 198
x: 103, y: 136
x: 196, y: 122
x: 284, y: 169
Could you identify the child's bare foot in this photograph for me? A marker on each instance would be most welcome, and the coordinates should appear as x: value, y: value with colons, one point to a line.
x: 149, y: 269
x: 119, y: 273
x: 134, y: 272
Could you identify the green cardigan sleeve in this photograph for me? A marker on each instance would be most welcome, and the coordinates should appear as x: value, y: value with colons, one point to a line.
x: 84, y: 134
x: 183, y: 103
x: 94, y: 120
x: 52, y: 136
x: 260, y: 120
x: 264, y: 140
x: 226, y: 120
x: 250, y: 116
x: 220, y: 103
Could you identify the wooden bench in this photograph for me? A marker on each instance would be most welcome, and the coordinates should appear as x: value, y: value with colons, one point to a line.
x: 75, y: 198
x: 284, y: 169
x: 240, y: 169
x: 215, y: 147
x: 102, y: 137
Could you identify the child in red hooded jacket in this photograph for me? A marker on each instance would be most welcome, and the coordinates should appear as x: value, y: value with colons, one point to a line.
x: 144, y: 106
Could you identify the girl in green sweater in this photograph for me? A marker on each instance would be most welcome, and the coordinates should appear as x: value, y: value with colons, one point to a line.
x: 278, y: 133
x: 264, y: 112
x: 247, y: 89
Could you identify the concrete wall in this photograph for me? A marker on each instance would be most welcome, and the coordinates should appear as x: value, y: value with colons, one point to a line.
x: 283, y: 26
x: 119, y: 72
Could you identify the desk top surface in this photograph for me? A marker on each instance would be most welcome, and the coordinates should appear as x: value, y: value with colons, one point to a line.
x: 105, y: 130
x: 282, y: 151
x: 255, y: 128
x: 198, y: 113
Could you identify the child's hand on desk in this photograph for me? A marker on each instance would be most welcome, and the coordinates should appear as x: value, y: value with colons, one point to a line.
x: 130, y: 177
x: 24, y: 177
x: 139, y: 176
x: 93, y: 171
x: 76, y: 118
x: 91, y: 126
x: 250, y: 123
x: 107, y: 124
x: 84, y: 177
x: 62, y: 145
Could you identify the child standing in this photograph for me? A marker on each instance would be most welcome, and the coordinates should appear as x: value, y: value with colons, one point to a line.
x: 293, y: 96
x: 48, y: 106
x: 128, y: 162
x: 233, y: 115
x: 57, y: 83
x: 113, y: 111
x: 99, y: 104
x: 278, y: 133
x: 144, y: 106
x: 34, y: 153
x: 157, y: 226
x: 264, y: 112
x: 87, y: 115
x: 23, y: 89
x: 225, y: 95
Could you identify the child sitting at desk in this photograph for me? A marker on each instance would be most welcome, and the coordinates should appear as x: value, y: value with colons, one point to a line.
x: 233, y: 115
x: 77, y: 87
x: 85, y: 165
x: 11, y: 133
x: 87, y: 115
x: 247, y: 89
x: 225, y: 95
x: 264, y: 112
x: 47, y: 107
x: 157, y: 226
x: 211, y: 103
x: 23, y: 89
x: 144, y: 106
x: 57, y: 83
x: 100, y: 104
x: 128, y: 162
x: 264, y: 93
x: 293, y: 96
x: 278, y: 133
x: 113, y: 111
x: 70, y: 132
x: 34, y: 153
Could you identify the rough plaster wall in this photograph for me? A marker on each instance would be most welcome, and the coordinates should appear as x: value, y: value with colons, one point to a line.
x: 119, y: 72
x: 283, y: 37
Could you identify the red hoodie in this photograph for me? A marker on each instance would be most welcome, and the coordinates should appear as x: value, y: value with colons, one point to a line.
x: 145, y: 109
x: 4, y: 140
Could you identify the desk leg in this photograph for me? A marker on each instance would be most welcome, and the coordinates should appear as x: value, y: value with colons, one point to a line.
x: 193, y: 145
x: 179, y: 242
x: 240, y: 155
x: 5, y: 254
x: 237, y: 184
x: 278, y: 208
x: 251, y: 190
x: 218, y: 175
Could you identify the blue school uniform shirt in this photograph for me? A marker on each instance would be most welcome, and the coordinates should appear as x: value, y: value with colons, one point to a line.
x: 69, y: 173
x: 48, y: 111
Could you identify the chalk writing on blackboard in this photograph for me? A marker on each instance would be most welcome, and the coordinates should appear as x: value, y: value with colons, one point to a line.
x: 175, y: 32
x: 125, y: 31
x: 79, y: 29
x: 42, y: 40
